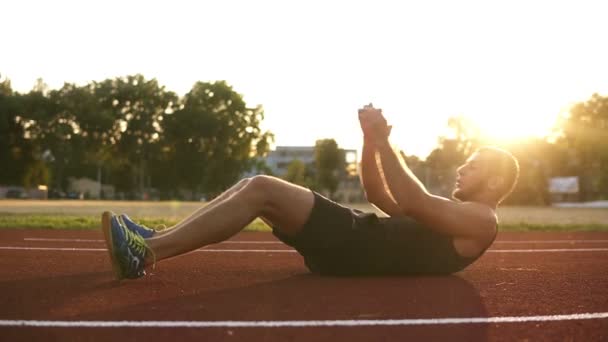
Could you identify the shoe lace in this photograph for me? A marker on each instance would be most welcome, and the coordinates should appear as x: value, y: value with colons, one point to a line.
x: 139, y: 245
x: 157, y: 228
x: 160, y: 228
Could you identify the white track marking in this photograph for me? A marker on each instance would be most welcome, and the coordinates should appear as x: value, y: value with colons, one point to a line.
x: 247, y: 250
x: 253, y: 242
x: 99, y: 240
x: 278, y: 242
x: 549, y: 250
x: 301, y: 324
x: 73, y: 249
x: 62, y: 240
x: 552, y: 241
x: 70, y: 249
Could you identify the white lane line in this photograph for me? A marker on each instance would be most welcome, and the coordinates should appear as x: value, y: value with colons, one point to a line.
x: 247, y: 250
x: 74, y: 249
x: 301, y: 324
x: 99, y: 240
x: 552, y: 241
x: 278, y: 242
x: 62, y: 240
x: 551, y: 250
x: 548, y: 250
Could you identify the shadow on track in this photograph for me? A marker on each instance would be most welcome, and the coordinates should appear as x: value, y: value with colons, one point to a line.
x: 311, y: 297
x: 44, y: 297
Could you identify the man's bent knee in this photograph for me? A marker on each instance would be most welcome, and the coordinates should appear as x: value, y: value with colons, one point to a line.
x: 242, y: 182
x: 257, y: 189
x: 261, y: 182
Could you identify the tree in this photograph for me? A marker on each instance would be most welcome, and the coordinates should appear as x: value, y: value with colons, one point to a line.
x: 330, y: 165
x: 214, y: 138
x: 15, y: 150
x: 131, y: 132
x: 451, y: 153
x: 585, y: 130
x: 32, y: 116
x: 82, y: 145
x: 36, y: 173
x: 299, y: 173
x: 137, y: 106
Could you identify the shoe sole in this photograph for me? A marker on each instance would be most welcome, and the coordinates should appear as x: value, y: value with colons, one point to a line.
x: 106, y: 227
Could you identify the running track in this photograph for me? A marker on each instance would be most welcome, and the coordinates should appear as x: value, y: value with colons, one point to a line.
x: 57, y: 285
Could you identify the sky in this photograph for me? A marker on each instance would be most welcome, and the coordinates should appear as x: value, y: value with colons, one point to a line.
x: 511, y: 67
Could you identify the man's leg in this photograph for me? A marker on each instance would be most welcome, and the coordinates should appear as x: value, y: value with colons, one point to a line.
x: 208, y: 206
x: 285, y: 205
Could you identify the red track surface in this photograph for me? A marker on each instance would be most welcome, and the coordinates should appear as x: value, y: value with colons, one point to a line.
x: 274, y: 286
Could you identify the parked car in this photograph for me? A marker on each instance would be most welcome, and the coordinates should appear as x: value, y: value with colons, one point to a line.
x: 74, y: 195
x: 14, y: 193
x: 54, y: 193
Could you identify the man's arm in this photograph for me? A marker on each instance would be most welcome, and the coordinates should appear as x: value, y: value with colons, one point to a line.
x: 371, y: 179
x: 405, y: 188
x: 466, y: 220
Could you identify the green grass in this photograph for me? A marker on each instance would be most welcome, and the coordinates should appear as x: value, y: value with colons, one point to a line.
x: 91, y: 222
x: 85, y: 222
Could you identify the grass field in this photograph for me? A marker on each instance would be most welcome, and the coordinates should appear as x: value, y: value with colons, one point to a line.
x: 86, y: 215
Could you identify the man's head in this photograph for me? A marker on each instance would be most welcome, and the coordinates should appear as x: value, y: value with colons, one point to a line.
x: 489, y: 174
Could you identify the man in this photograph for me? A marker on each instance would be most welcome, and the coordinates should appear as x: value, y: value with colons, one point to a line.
x: 423, y: 233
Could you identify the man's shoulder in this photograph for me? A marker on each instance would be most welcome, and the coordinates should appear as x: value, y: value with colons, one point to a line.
x: 487, y: 222
x: 485, y: 212
x: 477, y: 209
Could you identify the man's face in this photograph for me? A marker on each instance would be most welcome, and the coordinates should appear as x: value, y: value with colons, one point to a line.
x: 472, y: 178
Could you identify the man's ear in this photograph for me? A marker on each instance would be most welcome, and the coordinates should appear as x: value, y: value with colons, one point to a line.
x: 496, y: 182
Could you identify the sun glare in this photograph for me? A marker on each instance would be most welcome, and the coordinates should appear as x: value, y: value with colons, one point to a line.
x: 513, y: 126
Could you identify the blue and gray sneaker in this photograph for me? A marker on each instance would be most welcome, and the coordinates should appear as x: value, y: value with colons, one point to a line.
x: 142, y: 230
x: 128, y: 250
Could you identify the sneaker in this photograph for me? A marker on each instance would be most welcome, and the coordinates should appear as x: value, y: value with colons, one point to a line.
x: 127, y: 249
x: 142, y: 230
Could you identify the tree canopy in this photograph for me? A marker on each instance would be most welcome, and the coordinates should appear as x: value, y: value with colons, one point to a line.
x: 132, y: 132
x: 329, y: 164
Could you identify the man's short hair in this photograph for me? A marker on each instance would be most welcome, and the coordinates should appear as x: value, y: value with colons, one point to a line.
x: 500, y: 162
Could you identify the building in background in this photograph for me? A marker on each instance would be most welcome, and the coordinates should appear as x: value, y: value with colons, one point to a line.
x: 349, y: 189
x: 87, y: 188
x: 279, y: 159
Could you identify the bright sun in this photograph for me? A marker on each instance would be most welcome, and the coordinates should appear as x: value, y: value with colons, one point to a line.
x: 514, y: 127
x: 513, y: 124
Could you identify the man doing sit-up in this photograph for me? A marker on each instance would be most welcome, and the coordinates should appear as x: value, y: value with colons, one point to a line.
x: 423, y: 233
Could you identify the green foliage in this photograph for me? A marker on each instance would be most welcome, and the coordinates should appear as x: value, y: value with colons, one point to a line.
x: 136, y: 106
x: 213, y: 138
x: 298, y: 173
x: 35, y: 174
x: 330, y: 165
x: 584, y: 131
x: 14, y: 148
x: 134, y: 132
x: 453, y: 151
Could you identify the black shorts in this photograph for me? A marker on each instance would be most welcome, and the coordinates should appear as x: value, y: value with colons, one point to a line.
x: 337, y: 240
